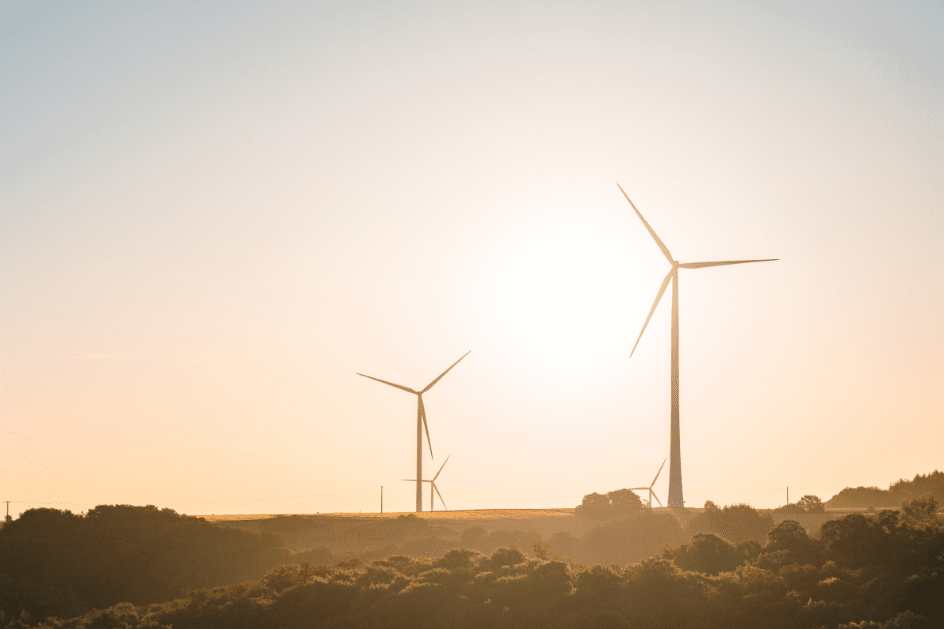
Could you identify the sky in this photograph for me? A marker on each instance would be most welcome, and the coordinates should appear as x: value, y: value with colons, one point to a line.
x: 214, y: 215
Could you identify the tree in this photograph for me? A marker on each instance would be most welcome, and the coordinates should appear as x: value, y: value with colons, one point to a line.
x: 919, y: 510
x: 737, y: 523
x: 623, y: 502
x: 593, y: 507
x: 610, y: 505
x: 859, y: 540
x: 707, y: 553
x: 791, y: 537
x: 123, y: 553
x: 811, y: 504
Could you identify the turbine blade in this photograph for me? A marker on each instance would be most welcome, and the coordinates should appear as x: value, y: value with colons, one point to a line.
x: 662, y: 246
x: 408, y: 389
x: 440, y: 497
x: 659, y: 472
x: 430, y: 385
x: 426, y: 426
x: 638, y: 488
x: 657, y: 498
x: 665, y: 283
x: 701, y: 265
x: 440, y: 469
x: 412, y: 480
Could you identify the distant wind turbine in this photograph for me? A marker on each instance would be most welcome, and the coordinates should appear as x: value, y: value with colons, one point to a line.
x: 652, y: 494
x: 436, y: 489
x: 675, y: 468
x: 420, y: 424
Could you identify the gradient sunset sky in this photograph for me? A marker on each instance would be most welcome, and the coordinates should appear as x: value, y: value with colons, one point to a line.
x: 213, y: 214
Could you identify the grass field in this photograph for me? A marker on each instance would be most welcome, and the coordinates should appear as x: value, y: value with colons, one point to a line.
x: 472, y: 514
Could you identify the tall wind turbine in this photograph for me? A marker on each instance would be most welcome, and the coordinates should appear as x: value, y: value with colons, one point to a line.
x: 652, y: 494
x: 675, y: 468
x: 420, y: 424
x: 436, y: 489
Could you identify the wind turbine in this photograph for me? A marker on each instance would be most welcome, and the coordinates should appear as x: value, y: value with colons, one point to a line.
x: 649, y: 488
x: 420, y: 424
x: 436, y: 489
x: 675, y: 468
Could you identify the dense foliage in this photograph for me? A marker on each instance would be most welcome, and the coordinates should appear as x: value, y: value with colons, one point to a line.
x: 866, y: 571
x: 59, y: 563
x: 805, y: 505
x: 898, y: 492
x: 738, y: 523
x: 613, y: 504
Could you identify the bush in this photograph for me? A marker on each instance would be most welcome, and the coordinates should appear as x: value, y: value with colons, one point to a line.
x: 614, y: 504
x: 737, y: 523
x: 707, y: 553
x: 919, y: 510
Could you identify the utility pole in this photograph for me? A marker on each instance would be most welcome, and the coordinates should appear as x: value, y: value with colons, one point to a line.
x: 381, y: 499
x: 788, y: 494
x: 8, y: 510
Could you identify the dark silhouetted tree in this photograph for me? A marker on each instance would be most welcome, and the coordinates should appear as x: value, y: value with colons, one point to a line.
x: 789, y: 536
x: 707, y: 553
x: 614, y: 504
x: 736, y: 523
x: 811, y: 504
x: 919, y: 510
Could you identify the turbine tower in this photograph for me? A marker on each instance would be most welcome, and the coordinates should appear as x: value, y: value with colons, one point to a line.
x: 420, y: 424
x: 436, y: 489
x: 652, y: 494
x: 675, y: 468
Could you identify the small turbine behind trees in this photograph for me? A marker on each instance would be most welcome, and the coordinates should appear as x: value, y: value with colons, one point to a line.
x: 420, y: 425
x: 652, y: 494
x: 676, y: 499
x: 436, y: 489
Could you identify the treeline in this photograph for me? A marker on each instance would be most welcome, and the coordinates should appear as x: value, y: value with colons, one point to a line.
x: 57, y: 563
x: 622, y: 540
x: 879, y: 571
x: 898, y: 492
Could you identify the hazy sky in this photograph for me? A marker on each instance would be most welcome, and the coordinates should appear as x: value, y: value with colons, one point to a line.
x: 213, y: 214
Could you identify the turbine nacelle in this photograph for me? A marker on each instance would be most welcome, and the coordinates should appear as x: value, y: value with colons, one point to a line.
x: 421, y: 408
x: 676, y: 265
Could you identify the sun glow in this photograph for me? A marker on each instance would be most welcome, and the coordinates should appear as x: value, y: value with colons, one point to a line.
x: 568, y: 294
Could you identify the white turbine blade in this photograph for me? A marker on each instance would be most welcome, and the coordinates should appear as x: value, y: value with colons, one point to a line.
x: 665, y: 282
x: 657, y: 499
x: 659, y: 472
x: 408, y: 389
x: 440, y: 469
x: 430, y: 385
x: 659, y: 242
x: 701, y: 265
x: 426, y: 426
x: 440, y: 497
x: 638, y: 488
x: 412, y: 480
